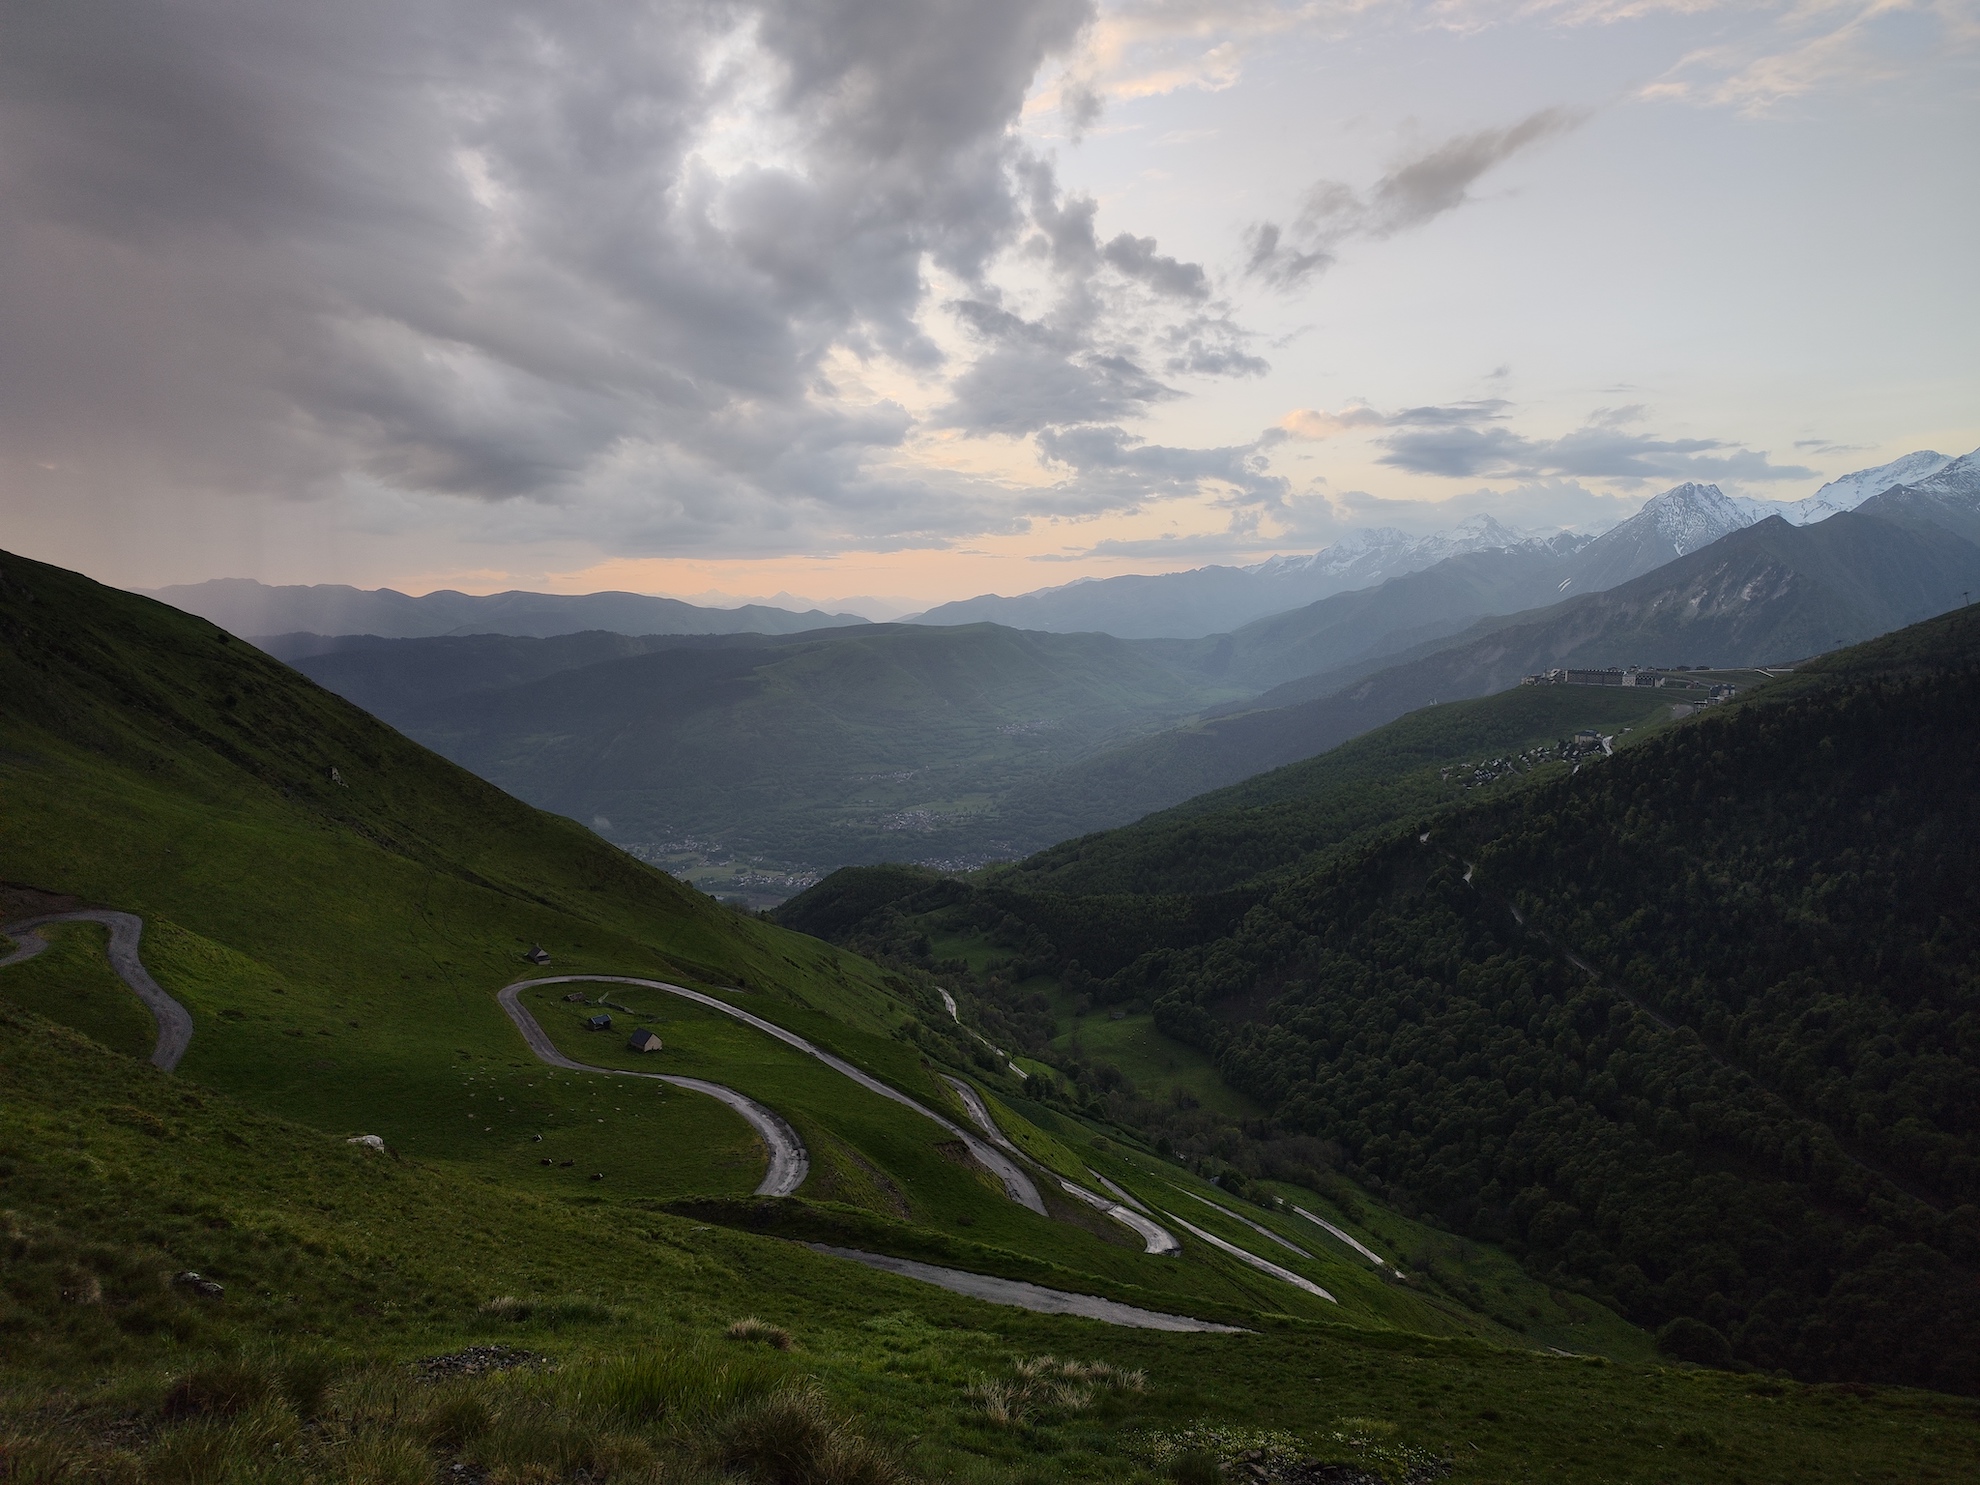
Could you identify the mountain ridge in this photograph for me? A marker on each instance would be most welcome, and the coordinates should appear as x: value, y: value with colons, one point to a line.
x: 1767, y: 593
x: 250, y: 610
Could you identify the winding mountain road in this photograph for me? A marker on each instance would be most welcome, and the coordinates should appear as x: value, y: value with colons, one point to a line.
x: 1258, y: 1227
x: 790, y: 1162
x: 1017, y: 1185
x: 1263, y: 1265
x: 1350, y: 1239
x: 174, y: 1021
x: 1154, y: 1238
x: 1029, y: 1296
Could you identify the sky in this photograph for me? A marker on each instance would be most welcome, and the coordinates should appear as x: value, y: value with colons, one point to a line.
x: 929, y: 298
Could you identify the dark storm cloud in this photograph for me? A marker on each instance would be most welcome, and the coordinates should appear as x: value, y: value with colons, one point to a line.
x: 1598, y: 451
x: 1420, y: 188
x: 470, y: 248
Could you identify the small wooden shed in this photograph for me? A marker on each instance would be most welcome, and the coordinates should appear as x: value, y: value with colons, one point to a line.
x: 643, y: 1040
x: 537, y: 954
x: 599, y: 1022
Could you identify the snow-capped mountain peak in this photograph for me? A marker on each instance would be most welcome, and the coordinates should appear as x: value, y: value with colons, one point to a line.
x: 1958, y: 478
x: 1847, y: 492
x: 1690, y: 516
x: 1382, y: 551
x: 1851, y: 490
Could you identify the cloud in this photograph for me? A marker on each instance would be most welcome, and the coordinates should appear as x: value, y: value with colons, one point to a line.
x: 1113, y: 469
x: 593, y: 256
x: 1034, y: 375
x: 1417, y: 190
x: 1086, y: 358
x: 1597, y: 451
x: 1819, y: 48
x: 1470, y: 440
x: 1543, y: 505
x: 1305, y: 523
x: 1314, y: 424
x: 1137, y: 259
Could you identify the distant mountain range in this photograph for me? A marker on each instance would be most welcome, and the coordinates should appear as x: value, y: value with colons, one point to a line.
x: 1765, y: 593
x: 1497, y: 570
x: 1215, y: 600
x: 973, y: 742
x: 251, y: 610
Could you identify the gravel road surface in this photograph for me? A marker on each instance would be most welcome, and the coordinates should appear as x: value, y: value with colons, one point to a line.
x: 790, y: 1163
x: 175, y: 1023
x: 1028, y: 1296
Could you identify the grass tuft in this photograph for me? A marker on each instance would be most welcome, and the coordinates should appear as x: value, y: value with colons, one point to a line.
x: 749, y: 1328
x: 1046, y: 1387
x: 792, y: 1437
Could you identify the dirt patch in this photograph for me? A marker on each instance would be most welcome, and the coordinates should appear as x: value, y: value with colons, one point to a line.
x: 479, y: 1361
x: 18, y: 901
x: 841, y: 1173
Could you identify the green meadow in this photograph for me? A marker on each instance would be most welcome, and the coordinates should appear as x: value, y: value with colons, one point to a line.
x: 339, y: 939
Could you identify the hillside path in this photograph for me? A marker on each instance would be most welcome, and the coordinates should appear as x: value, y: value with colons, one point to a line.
x: 1263, y: 1265
x: 1017, y: 1185
x: 174, y: 1021
x: 1028, y: 1296
x: 790, y: 1162
x: 1154, y: 1238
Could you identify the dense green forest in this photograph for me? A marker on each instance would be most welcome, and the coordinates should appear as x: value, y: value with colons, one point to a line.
x: 1692, y: 1030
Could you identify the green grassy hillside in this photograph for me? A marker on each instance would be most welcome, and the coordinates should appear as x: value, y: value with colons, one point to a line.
x: 339, y: 938
x: 341, y: 1265
x: 1220, y: 839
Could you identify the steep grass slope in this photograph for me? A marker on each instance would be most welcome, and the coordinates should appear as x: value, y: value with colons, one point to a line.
x: 341, y: 1265
x: 337, y: 908
x: 147, y: 763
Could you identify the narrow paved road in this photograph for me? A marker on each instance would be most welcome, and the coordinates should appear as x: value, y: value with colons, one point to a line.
x: 1258, y: 1227
x: 790, y: 1163
x: 1154, y: 1239
x: 956, y: 1016
x: 1263, y: 1265
x: 174, y: 1021
x: 980, y: 1112
x: 1029, y: 1296
x: 1017, y: 1185
x: 1353, y: 1242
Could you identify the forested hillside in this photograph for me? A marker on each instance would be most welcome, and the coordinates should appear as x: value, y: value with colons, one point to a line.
x: 1759, y: 1110
x: 1694, y: 1029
